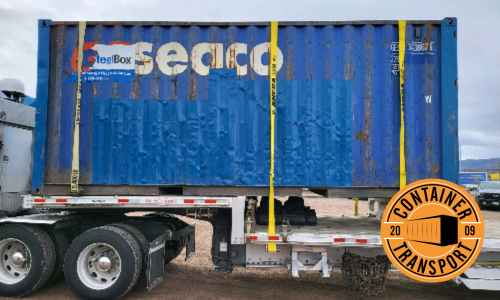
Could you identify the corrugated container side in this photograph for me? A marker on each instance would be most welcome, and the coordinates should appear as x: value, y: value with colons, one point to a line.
x: 337, y: 119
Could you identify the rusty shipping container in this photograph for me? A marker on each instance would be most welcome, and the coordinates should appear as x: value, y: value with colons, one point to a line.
x: 173, y: 107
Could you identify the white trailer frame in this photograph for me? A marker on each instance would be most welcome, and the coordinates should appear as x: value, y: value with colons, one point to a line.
x: 303, y: 248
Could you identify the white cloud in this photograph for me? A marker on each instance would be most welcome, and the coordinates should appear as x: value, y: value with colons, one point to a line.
x: 479, y: 62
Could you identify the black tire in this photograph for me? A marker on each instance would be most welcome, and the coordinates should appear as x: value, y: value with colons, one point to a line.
x: 60, y: 242
x: 42, y: 252
x: 128, y: 250
x: 141, y: 239
x: 312, y: 219
x: 294, y: 203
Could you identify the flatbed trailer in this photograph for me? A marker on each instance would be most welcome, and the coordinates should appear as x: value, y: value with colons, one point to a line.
x: 237, y: 240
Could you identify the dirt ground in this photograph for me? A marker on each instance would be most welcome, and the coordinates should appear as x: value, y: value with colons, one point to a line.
x: 195, y: 279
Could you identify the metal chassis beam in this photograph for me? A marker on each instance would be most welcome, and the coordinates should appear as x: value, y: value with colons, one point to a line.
x: 140, y: 190
x: 41, y: 219
x: 241, y: 191
x: 356, y: 192
x: 69, y: 203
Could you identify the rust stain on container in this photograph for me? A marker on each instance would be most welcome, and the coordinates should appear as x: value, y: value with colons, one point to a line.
x: 368, y: 97
x: 289, y: 58
x: 174, y: 87
x: 450, y: 126
x: 348, y: 69
x: 192, y: 85
x: 362, y: 135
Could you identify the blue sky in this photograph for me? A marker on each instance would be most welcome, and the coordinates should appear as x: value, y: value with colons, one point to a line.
x: 478, y: 40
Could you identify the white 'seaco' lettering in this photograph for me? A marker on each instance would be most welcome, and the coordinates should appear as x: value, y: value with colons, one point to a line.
x: 173, y: 59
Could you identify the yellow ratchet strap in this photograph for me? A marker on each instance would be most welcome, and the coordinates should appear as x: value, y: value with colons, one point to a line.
x: 402, y: 46
x: 75, y: 164
x: 273, y: 71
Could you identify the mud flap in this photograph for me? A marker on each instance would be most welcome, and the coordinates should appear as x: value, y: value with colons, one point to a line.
x: 190, y: 245
x: 156, y: 261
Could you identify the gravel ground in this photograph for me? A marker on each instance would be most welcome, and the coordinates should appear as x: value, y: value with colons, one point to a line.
x: 195, y: 279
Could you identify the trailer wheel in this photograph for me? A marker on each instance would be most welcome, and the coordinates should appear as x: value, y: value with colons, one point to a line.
x: 103, y: 263
x: 60, y: 242
x: 141, y: 239
x: 172, y: 250
x: 27, y: 259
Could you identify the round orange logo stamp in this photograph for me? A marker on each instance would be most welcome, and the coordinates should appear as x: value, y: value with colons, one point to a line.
x: 432, y: 230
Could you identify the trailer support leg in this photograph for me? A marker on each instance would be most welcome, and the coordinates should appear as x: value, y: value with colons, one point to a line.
x: 324, y: 264
x: 382, y: 204
x: 355, y: 207
x: 295, y: 264
x: 313, y: 258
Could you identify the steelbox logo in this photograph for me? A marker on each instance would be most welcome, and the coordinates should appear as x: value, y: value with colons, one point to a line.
x: 104, y: 62
x: 432, y: 230
x: 121, y: 61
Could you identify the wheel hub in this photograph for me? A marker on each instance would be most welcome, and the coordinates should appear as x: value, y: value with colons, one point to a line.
x: 104, y: 264
x: 15, y: 261
x: 18, y: 259
x: 99, y: 266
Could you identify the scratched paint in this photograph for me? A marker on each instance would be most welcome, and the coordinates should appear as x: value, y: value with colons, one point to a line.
x: 196, y: 111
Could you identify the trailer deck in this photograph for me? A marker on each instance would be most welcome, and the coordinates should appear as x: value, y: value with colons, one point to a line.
x: 335, y: 225
x: 361, y: 226
x: 329, y: 230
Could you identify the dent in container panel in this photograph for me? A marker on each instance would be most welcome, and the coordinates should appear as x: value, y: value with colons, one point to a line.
x: 207, y: 155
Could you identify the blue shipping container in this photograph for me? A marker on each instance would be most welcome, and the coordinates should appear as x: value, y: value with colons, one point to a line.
x: 187, y: 104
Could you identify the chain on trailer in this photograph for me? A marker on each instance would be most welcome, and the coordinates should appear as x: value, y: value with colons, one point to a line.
x: 365, y: 274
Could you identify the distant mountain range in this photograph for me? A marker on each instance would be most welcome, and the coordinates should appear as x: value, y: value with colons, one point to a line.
x: 473, y: 164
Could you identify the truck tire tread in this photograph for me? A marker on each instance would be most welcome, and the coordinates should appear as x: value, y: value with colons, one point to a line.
x: 118, y: 289
x: 40, y: 243
x: 61, y: 245
x: 141, y: 239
